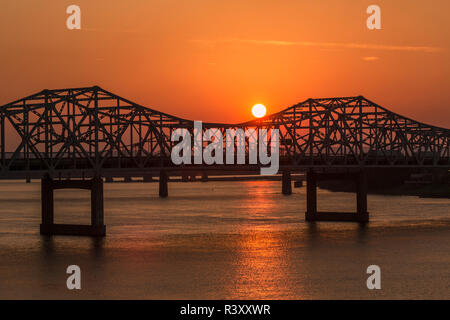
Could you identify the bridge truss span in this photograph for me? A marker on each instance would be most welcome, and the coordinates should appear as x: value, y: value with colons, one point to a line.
x: 92, y: 131
x: 356, y: 131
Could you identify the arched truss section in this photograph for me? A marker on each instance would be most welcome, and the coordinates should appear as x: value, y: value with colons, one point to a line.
x: 354, y: 130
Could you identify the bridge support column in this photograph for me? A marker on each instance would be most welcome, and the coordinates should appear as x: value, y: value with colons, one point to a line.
x: 48, y: 227
x: 163, y: 184
x: 361, y: 195
x: 46, y: 203
x: 311, y: 196
x: 97, y: 204
x: 361, y: 214
x: 286, y: 182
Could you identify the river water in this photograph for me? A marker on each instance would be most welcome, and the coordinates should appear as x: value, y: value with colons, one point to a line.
x: 223, y: 240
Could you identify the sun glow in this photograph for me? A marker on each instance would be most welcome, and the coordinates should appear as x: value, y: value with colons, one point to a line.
x: 259, y: 110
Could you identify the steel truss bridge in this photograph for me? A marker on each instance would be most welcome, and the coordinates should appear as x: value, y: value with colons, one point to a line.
x: 90, y: 133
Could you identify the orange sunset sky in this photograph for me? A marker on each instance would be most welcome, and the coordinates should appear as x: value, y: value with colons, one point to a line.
x: 212, y: 60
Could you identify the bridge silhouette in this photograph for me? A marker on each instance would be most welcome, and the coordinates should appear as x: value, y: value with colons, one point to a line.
x: 76, y: 137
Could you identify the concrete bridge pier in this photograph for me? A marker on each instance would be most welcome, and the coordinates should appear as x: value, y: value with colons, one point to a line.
x: 361, y: 215
x: 311, y: 196
x: 361, y: 196
x: 48, y: 227
x: 286, y: 182
x: 97, y: 203
x: 163, y: 184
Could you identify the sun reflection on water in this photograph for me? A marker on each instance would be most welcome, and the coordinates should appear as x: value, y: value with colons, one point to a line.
x: 261, y: 264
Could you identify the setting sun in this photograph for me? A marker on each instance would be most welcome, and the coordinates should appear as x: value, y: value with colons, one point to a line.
x: 259, y: 110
